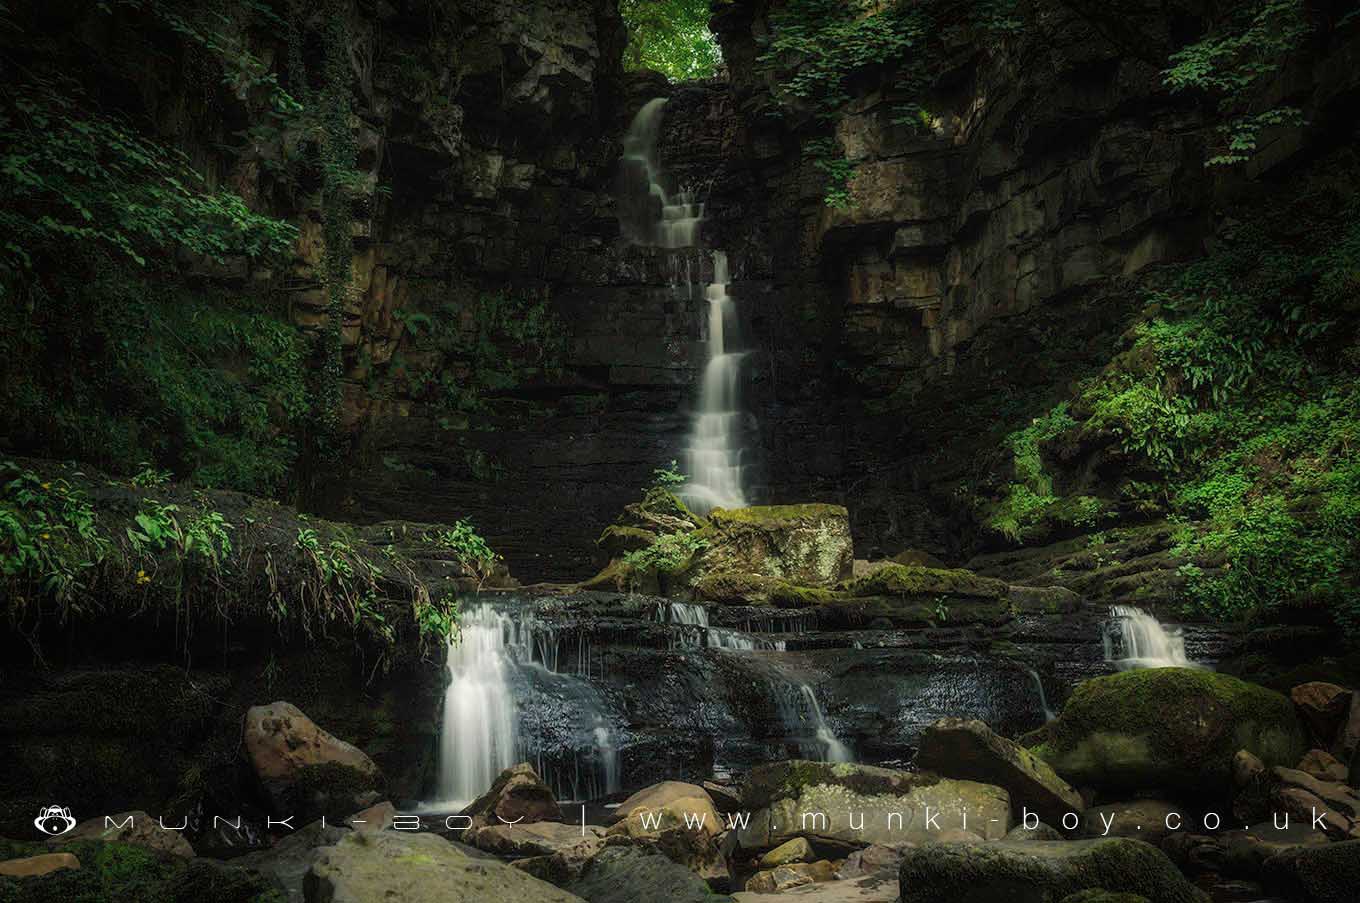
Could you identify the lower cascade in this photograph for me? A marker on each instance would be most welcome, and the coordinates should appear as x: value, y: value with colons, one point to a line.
x: 1135, y: 639
x: 488, y: 666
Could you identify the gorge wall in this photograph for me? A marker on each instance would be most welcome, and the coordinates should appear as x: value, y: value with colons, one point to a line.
x: 984, y: 266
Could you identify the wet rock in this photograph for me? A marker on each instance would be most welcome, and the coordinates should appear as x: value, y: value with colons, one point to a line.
x: 136, y: 828
x: 877, y: 888
x: 1246, y: 768
x: 417, y: 867
x: 629, y: 874
x: 959, y: 748
x: 1170, y: 729
x: 42, y: 864
x: 1316, y: 874
x: 858, y: 805
x: 1245, y: 850
x: 776, y: 880
x: 1302, y: 794
x: 725, y: 797
x: 946, y: 873
x: 1323, y: 706
x: 303, y: 769
x: 874, y: 859
x: 533, y: 839
x: 518, y: 796
x: 1347, y: 741
x: 374, y: 818
x: 1139, y: 819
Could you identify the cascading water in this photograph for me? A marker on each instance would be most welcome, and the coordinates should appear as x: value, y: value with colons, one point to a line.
x: 496, y: 654
x: 802, y: 713
x: 695, y: 630
x: 1135, y: 639
x: 714, y: 455
x: 649, y: 214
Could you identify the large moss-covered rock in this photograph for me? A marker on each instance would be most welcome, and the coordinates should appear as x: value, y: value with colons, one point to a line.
x: 808, y: 545
x: 1317, y: 874
x: 1170, y: 728
x: 1040, y: 872
x: 962, y: 748
x: 392, y: 865
x: 916, y: 581
x: 858, y: 805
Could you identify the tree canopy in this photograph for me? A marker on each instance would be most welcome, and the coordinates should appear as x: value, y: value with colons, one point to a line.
x: 671, y: 37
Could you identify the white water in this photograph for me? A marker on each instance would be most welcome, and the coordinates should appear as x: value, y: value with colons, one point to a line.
x: 649, y: 214
x: 695, y: 630
x: 479, y: 735
x: 803, y: 714
x: 1049, y: 714
x: 1135, y: 639
x: 714, y: 456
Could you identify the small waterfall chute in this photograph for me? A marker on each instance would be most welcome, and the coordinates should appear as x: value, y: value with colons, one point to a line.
x: 807, y: 727
x: 1135, y: 639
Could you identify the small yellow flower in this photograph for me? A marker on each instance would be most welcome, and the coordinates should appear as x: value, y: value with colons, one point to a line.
x: 142, y: 578
x: 47, y: 485
x: 45, y: 535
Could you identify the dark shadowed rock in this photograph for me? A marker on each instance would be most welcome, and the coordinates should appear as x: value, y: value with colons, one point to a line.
x: 630, y: 874
x: 517, y: 795
x: 1316, y: 874
x: 1323, y: 706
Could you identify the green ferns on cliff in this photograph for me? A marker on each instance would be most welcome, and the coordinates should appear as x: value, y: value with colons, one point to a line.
x: 1237, y: 404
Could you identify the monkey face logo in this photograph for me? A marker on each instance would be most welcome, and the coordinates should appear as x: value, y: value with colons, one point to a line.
x: 54, y: 820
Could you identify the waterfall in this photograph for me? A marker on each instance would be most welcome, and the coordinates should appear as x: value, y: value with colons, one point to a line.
x: 693, y: 621
x: 713, y: 458
x: 649, y: 214
x: 800, y: 711
x: 1135, y: 639
x: 480, y: 736
x: 1049, y: 714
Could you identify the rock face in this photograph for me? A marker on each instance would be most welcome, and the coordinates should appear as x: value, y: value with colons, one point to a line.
x: 858, y: 805
x: 678, y: 819
x: 417, y: 867
x: 1169, y: 728
x: 517, y: 795
x: 960, y: 748
x: 808, y: 545
x: 1039, y: 871
x: 304, y: 770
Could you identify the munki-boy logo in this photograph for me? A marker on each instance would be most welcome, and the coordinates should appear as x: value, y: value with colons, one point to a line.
x: 54, y: 820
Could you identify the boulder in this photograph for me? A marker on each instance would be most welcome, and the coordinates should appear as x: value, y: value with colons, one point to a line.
x: 1316, y: 874
x: 1173, y: 729
x: 969, y: 749
x: 777, y: 880
x: 679, y: 820
x: 304, y: 770
x: 517, y: 795
x: 1347, y: 741
x: 1245, y: 850
x: 1041, y: 832
x: 1105, y: 896
x: 543, y: 838
x: 808, y: 545
x: 873, y: 859
x: 1139, y: 819
x: 1302, y: 795
x: 877, y: 888
x: 414, y: 867
x: 630, y: 874
x: 1323, y: 765
x: 858, y: 805
x: 1322, y: 706
x: 796, y: 850
x: 42, y: 864
x: 725, y: 798
x: 1041, y: 872
x: 290, y: 858
x: 135, y: 828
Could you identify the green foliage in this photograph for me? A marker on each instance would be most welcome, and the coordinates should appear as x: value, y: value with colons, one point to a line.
x: 1028, y: 499
x: 668, y: 477
x: 473, y: 550
x: 49, y: 542
x: 1250, y: 44
x: 670, y: 553
x: 437, y: 621
x: 1238, y: 388
x: 104, y: 366
x: 670, y: 37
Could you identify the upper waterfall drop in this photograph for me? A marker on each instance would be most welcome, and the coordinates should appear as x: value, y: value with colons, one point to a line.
x: 651, y: 215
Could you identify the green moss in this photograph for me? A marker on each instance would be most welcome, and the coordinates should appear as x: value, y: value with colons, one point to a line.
x: 910, y: 580
x: 733, y: 587
x: 1173, y: 728
x: 788, y: 595
x: 777, y: 515
x: 618, y: 540
x: 780, y: 780
x: 667, y: 504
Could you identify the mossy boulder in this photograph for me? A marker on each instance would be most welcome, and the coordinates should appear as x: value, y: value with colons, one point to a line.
x: 809, y: 545
x: 734, y: 587
x: 1170, y: 728
x: 1041, y: 872
x: 857, y: 805
x: 1316, y: 874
